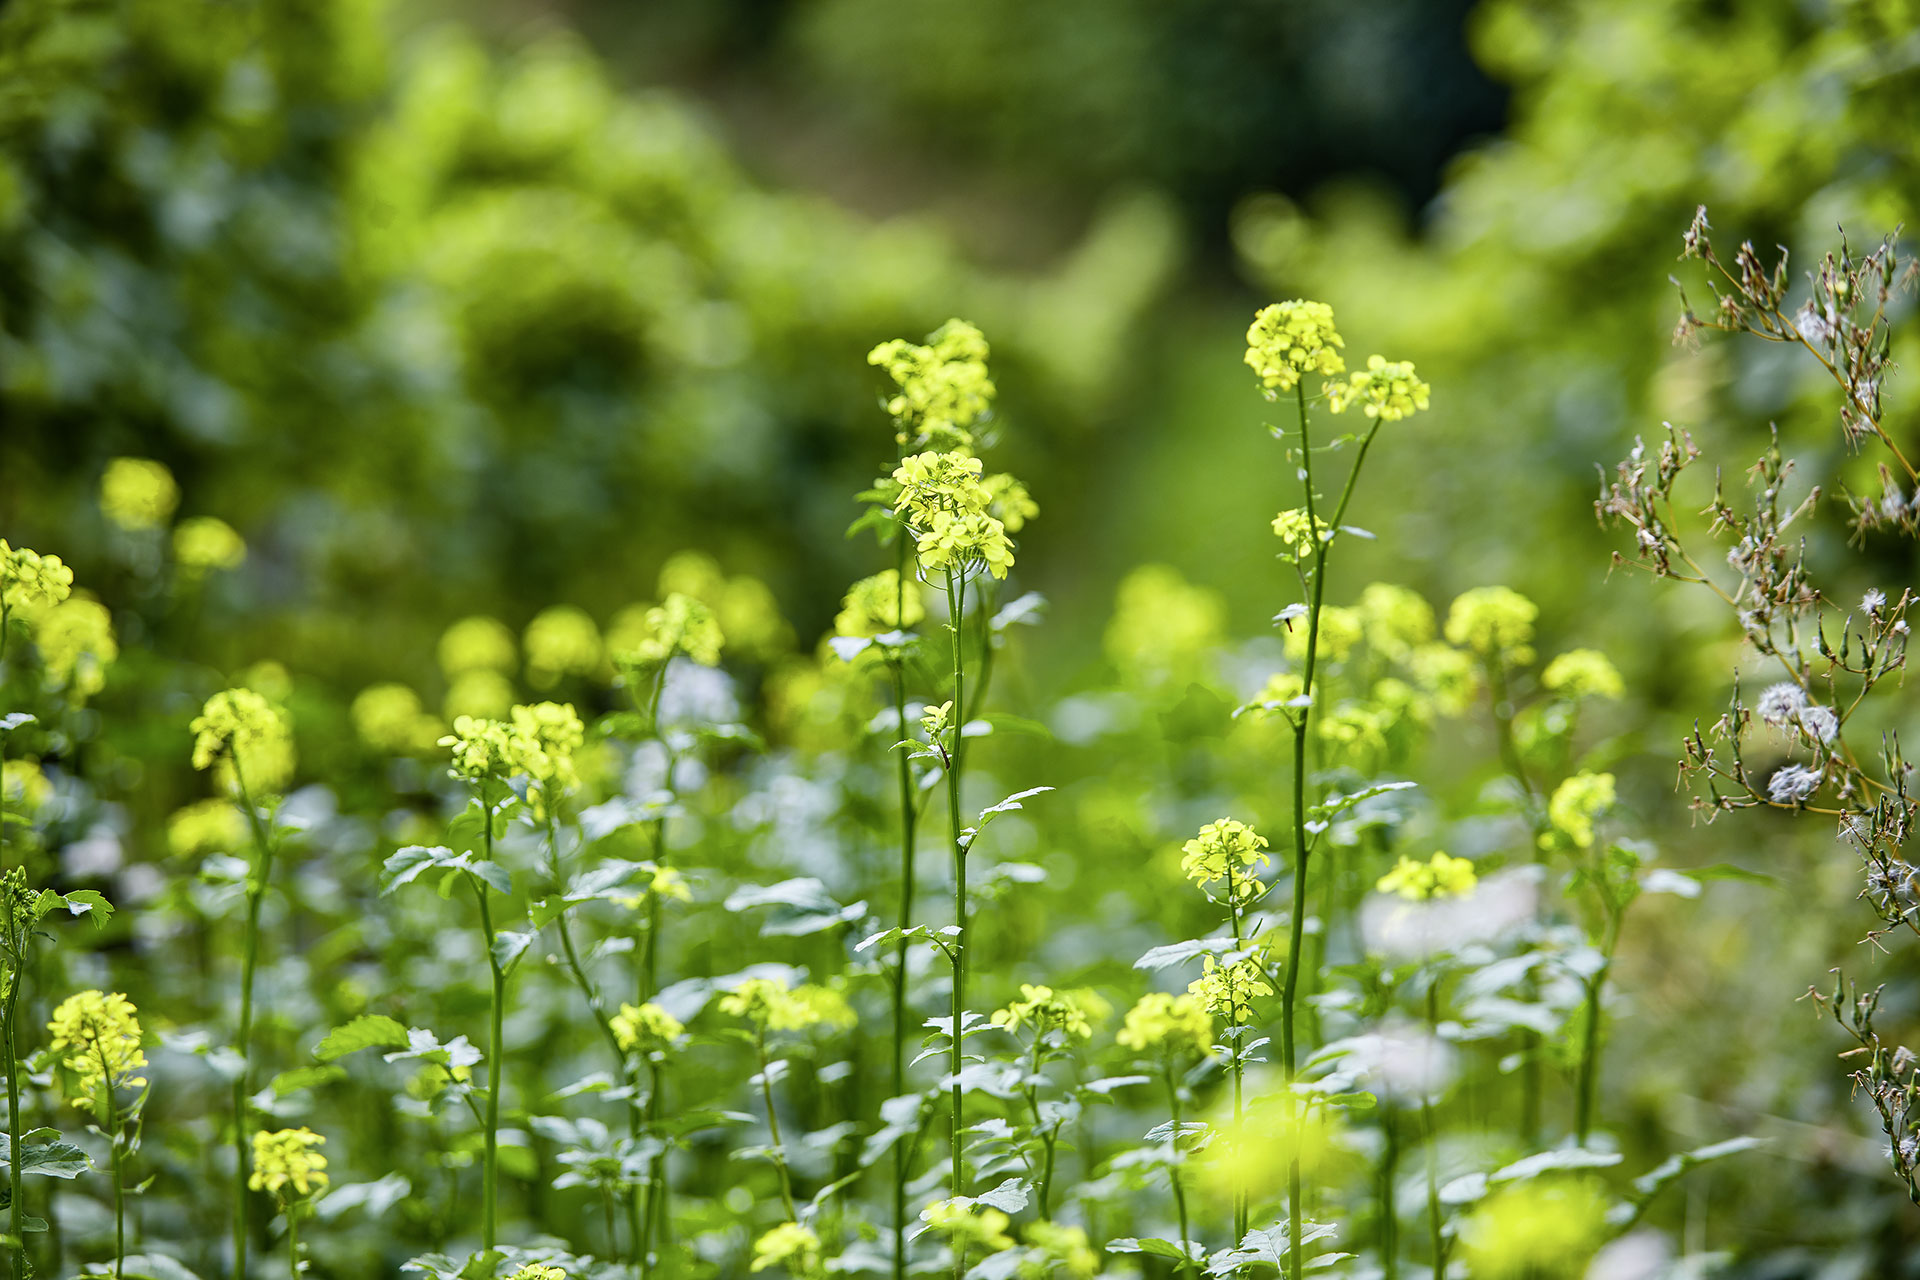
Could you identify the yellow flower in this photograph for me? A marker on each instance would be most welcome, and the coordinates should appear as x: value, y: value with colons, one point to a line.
x: 788, y: 1245
x: 206, y: 826
x: 944, y: 388
x: 544, y: 738
x: 390, y: 717
x: 24, y: 787
x: 1288, y: 339
x: 101, y: 1036
x: 239, y: 725
x: 1043, y: 1010
x: 77, y: 644
x: 1444, y: 674
x: 207, y: 542
x: 646, y: 1026
x: 642, y: 635
x: 749, y: 615
x: 1576, y: 802
x: 947, y: 507
x: 1583, y: 673
x: 1495, y: 622
x: 1009, y: 502
x: 1291, y: 528
x: 1387, y: 390
x: 138, y: 493
x: 1538, y: 1230
x: 877, y: 605
x: 1226, y: 849
x: 1230, y: 989
x: 770, y: 1003
x: 1177, y: 1026
x: 966, y: 1225
x: 1067, y: 1246
x: 477, y: 644
x: 29, y: 579
x: 534, y: 1271
x: 1440, y: 876
x: 492, y: 749
x: 286, y: 1157
x: 1340, y: 630
x: 1397, y: 620
x: 561, y: 641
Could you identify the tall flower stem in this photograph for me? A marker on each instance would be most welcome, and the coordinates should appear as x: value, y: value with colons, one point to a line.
x: 496, y: 1066
x: 654, y: 1212
x: 243, y: 1035
x: 113, y: 1140
x: 1433, y: 1139
x: 909, y: 816
x: 1234, y: 1037
x: 293, y: 1241
x: 17, y: 942
x: 1500, y: 708
x: 773, y: 1124
x: 956, y: 612
x: 1590, y: 1042
x: 1289, y: 1050
x: 1389, y: 1176
x: 1173, y: 1171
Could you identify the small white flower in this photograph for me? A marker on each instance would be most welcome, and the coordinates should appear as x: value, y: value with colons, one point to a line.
x: 1793, y: 784
x: 1781, y: 704
x: 1874, y: 601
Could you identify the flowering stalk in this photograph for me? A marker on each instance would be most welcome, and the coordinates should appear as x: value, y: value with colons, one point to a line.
x: 773, y: 1122
x: 496, y: 1066
x: 113, y: 1139
x: 909, y: 819
x: 956, y: 610
x: 1437, y: 1243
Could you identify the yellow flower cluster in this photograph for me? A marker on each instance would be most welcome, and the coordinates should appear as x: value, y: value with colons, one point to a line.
x: 1289, y: 339
x: 1291, y: 527
x: 772, y: 1004
x: 478, y: 643
x: 1494, y: 622
x: 1387, y: 389
x: 1440, y: 876
x: 1445, y: 675
x: 391, y: 718
x: 491, y: 749
x: 1230, y: 989
x: 138, y: 493
x: 645, y: 635
x: 203, y: 543
x: 534, y: 1271
x: 645, y: 1026
x: 206, y: 826
x: 880, y: 604
x: 1583, y: 673
x: 24, y: 786
x: 561, y: 641
x: 1576, y: 802
x: 944, y: 388
x: 1225, y: 849
x: 1341, y: 630
x: 240, y: 725
x: 100, y: 1035
x: 1546, y: 1229
x: 947, y: 507
x: 1009, y: 502
x: 788, y: 1245
x: 77, y: 644
x: 1046, y: 1010
x: 1068, y: 1247
x: 1177, y: 1026
x: 1397, y: 620
x: 556, y: 733
x: 964, y: 1224
x: 285, y: 1157
x: 30, y: 580
x: 749, y: 615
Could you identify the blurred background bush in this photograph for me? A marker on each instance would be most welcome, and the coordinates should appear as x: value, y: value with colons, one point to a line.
x: 455, y: 309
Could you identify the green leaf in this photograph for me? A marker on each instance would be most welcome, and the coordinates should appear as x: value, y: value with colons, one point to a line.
x: 497, y: 877
x: 88, y: 902
x: 149, y: 1266
x: 1158, y: 1247
x: 508, y: 946
x: 290, y: 1082
x: 368, y: 1031
x: 1564, y: 1159
x: 1266, y: 1247
x: 45, y: 1152
x: 1651, y: 1184
x: 404, y: 866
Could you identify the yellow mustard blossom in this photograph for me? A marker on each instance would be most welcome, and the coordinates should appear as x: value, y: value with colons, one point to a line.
x: 946, y: 506
x: 204, y: 543
x: 286, y: 1158
x: 951, y: 539
x: 877, y: 605
x: 1043, y: 1010
x: 535, y: 1271
x: 936, y: 721
x: 1229, y: 990
x: 1583, y: 673
x: 1441, y: 876
x: 748, y: 614
x: 138, y: 493
x: 560, y: 641
x: 1576, y: 802
x: 478, y: 643
x: 788, y: 1245
x: 1257, y: 1150
x: 492, y: 749
x: 944, y: 388
x: 1494, y: 622
x: 1291, y: 528
x: 666, y: 883
x: 1163, y: 626
x: 30, y: 580
x: 77, y: 644
x: 1067, y: 1246
x: 969, y: 1224
x: 1536, y: 1230
x: 100, y: 1036
x: 1177, y: 1026
x: 645, y: 1026
x: 1397, y: 620
x: 1289, y: 339
x: 390, y: 717
x: 546, y: 735
x: 1358, y: 730
x: 770, y: 1003
x: 642, y: 635
x: 240, y: 725
x: 1341, y: 630
x: 206, y: 826
x: 1387, y: 390
x: 1226, y: 849
x: 1444, y: 674
x: 483, y: 694
x: 24, y: 787
x: 1009, y: 502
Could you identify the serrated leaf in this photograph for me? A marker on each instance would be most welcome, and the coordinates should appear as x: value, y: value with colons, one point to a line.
x: 1009, y: 1197
x: 368, y: 1031
x: 1173, y: 953
x: 509, y: 946
x: 88, y: 902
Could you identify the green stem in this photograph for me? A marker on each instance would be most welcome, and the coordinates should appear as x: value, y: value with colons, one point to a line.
x: 909, y: 814
x: 10, y: 1031
x: 773, y: 1125
x: 1239, y: 1193
x: 1173, y: 1171
x: 956, y: 610
x: 1501, y: 709
x: 250, y: 959
x: 293, y: 1240
x: 1433, y: 1140
x: 1590, y: 1046
x: 496, y: 1066
x: 1389, y: 1216
x: 113, y: 1140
